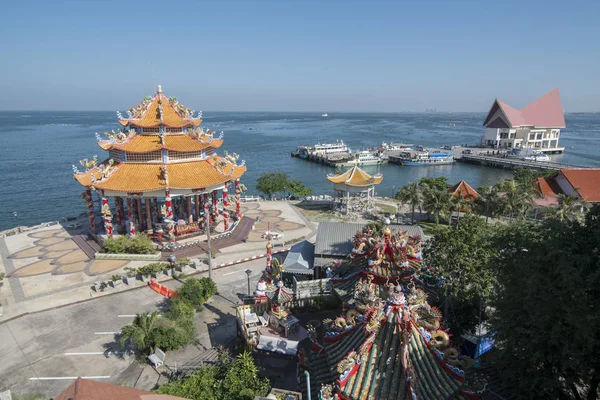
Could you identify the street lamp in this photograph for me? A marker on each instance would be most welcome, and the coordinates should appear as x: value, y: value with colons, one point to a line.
x: 248, y: 272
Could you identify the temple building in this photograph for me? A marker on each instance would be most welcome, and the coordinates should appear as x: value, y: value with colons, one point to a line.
x: 162, y: 173
x: 355, y: 189
x: 388, y: 342
x: 536, y: 126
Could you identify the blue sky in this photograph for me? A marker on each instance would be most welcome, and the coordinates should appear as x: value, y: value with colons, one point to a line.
x: 337, y: 55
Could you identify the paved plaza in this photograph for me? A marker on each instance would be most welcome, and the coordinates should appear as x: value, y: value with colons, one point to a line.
x: 45, y: 267
x: 43, y: 352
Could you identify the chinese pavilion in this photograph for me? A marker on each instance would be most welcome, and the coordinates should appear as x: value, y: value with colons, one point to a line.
x: 388, y: 342
x: 355, y: 184
x: 162, y: 172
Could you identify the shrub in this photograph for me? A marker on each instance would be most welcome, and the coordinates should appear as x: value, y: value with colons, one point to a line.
x: 171, y: 336
x: 181, y: 310
x: 196, y: 291
x: 139, y: 244
x: 115, y: 278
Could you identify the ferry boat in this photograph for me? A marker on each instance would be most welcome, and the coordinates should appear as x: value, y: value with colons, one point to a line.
x: 365, y: 158
x: 425, y: 158
x: 395, y: 146
x: 324, y: 150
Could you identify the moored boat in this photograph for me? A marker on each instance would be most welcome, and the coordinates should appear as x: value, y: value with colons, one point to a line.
x: 426, y: 158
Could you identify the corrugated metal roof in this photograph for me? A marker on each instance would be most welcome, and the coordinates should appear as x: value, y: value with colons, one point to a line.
x: 335, y: 238
x: 300, y: 258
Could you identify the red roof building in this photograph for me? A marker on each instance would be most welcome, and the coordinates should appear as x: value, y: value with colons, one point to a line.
x: 464, y: 190
x: 87, y: 389
x: 536, y: 126
x: 583, y: 183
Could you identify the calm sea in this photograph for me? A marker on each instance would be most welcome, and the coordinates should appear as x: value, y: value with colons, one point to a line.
x: 37, y: 150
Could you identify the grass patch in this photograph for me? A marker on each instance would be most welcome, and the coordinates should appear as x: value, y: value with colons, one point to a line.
x: 430, y: 227
x: 386, y: 208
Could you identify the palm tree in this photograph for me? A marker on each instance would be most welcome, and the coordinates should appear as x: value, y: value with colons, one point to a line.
x: 458, y: 204
x: 436, y: 202
x: 515, y: 199
x: 412, y: 196
x: 140, y: 332
x: 489, y: 201
x: 569, y: 208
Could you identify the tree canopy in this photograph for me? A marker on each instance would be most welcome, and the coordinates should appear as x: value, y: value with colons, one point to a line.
x: 547, y: 318
x: 297, y: 188
x: 231, y: 378
x: 462, y: 257
x: 271, y: 183
x: 439, y: 183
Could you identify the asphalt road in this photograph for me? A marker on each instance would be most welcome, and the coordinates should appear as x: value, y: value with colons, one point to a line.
x: 44, y: 352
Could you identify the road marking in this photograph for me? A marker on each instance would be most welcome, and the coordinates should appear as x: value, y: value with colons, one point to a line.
x: 127, y: 316
x: 106, y: 333
x: 234, y: 272
x: 58, y: 378
x: 95, y: 353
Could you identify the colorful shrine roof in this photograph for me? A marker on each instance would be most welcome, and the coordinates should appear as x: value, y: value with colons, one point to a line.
x: 356, y: 177
x: 148, y: 143
x: 142, y: 177
x: 387, y: 344
x: 464, y: 190
x: 160, y: 110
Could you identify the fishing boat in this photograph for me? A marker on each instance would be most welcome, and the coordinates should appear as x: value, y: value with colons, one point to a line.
x: 395, y: 146
x: 426, y: 158
x: 324, y: 115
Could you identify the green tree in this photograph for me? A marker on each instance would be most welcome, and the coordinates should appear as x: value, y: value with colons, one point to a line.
x: 546, y: 316
x: 524, y: 176
x: 141, y: 332
x: 569, y: 208
x: 516, y: 199
x: 271, y: 183
x: 436, y: 202
x: 462, y: 256
x: 488, y: 203
x: 412, y: 196
x: 460, y: 204
x: 434, y: 183
x: 235, y: 379
x: 196, y: 292
x: 297, y: 188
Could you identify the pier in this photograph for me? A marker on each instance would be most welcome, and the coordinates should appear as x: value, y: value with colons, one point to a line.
x: 499, y: 162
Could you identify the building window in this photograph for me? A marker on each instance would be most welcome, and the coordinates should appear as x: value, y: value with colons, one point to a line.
x: 154, y: 156
x: 151, y: 130
x: 539, y: 136
x: 174, y: 130
x: 189, y: 155
x: 115, y: 154
x: 532, y: 136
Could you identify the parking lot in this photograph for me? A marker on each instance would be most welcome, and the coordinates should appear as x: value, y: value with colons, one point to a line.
x: 44, y: 352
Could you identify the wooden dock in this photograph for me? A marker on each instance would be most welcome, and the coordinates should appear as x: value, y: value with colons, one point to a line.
x: 500, y: 162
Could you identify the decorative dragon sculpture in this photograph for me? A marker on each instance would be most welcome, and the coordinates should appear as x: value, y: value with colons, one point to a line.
x: 89, y: 164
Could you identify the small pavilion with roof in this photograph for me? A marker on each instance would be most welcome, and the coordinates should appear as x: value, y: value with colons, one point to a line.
x: 464, y: 190
x: 355, y: 188
x: 162, y: 173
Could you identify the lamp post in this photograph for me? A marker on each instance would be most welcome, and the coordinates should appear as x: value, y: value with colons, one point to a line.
x: 207, y: 220
x: 248, y: 272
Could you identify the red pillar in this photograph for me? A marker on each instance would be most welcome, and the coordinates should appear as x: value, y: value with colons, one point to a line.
x: 238, y: 205
x: 225, y: 211
x: 90, y: 205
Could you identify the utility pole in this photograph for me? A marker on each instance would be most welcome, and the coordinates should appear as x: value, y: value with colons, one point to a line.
x: 207, y: 220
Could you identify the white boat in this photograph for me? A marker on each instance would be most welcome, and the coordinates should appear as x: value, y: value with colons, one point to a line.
x: 529, y: 155
x: 425, y: 158
x: 324, y: 115
x: 538, y: 157
x: 396, y: 146
x: 326, y: 149
x: 365, y: 158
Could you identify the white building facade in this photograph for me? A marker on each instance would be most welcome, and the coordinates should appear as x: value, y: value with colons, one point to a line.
x: 536, y: 126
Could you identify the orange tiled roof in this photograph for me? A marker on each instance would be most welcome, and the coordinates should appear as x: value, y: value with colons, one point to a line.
x: 464, y: 190
x: 585, y: 181
x: 147, y: 115
x: 356, y: 177
x: 87, y: 389
x: 149, y: 143
x: 546, y: 187
x: 138, y: 177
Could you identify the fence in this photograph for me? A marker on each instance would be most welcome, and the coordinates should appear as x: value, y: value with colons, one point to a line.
x: 312, y: 288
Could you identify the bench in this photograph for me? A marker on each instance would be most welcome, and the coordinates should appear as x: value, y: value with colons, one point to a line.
x: 264, y: 319
x: 157, y: 359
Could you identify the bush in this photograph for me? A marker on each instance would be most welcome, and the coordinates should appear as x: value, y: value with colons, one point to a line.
x: 196, y: 292
x: 139, y: 244
x: 181, y: 310
x: 171, y: 336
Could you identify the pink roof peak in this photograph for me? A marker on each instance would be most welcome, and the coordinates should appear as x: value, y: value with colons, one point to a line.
x: 544, y: 112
